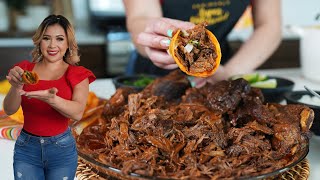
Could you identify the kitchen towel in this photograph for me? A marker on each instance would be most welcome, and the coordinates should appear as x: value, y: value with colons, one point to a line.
x: 9, y: 129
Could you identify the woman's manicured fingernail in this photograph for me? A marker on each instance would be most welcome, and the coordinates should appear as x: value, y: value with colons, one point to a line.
x: 165, y: 42
x: 191, y: 80
x: 169, y: 32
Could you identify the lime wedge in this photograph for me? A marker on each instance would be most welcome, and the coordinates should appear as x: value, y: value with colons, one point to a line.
x: 253, y: 77
x: 262, y: 77
x: 270, y: 83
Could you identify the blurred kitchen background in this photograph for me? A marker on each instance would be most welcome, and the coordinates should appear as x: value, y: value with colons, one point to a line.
x: 104, y: 43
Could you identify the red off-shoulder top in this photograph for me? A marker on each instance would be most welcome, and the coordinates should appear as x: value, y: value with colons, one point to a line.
x: 39, y: 117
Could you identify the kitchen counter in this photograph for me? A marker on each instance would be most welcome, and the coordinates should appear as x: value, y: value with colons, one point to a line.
x: 104, y: 88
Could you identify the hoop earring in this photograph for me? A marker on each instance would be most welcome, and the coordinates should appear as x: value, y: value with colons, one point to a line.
x: 39, y: 57
x: 39, y: 54
x: 70, y: 50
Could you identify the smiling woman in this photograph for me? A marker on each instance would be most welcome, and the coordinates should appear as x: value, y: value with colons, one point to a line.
x: 71, y: 54
x: 59, y: 93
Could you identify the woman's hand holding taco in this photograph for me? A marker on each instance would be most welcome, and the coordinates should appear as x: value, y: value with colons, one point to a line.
x: 162, y: 34
x: 15, y: 77
x: 29, y: 77
x: 154, y: 41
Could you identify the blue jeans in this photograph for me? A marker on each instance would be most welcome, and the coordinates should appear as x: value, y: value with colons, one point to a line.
x: 49, y: 158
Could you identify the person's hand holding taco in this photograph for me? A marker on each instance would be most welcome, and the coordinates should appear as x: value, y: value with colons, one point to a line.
x: 154, y: 41
x: 30, y: 77
x: 14, y: 77
x: 192, y: 48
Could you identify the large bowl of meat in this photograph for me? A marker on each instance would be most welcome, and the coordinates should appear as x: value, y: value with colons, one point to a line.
x: 170, y: 130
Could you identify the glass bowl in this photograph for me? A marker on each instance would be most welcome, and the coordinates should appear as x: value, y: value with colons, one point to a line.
x: 109, y: 172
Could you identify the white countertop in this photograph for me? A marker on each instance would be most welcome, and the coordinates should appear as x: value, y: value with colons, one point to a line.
x: 104, y: 88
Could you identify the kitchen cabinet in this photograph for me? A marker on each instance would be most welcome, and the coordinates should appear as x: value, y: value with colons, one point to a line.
x: 286, y: 56
x: 95, y: 56
x: 92, y: 57
x: 10, y: 56
x: 92, y: 51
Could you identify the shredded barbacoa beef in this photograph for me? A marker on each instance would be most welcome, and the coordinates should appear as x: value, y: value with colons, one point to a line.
x: 221, y: 131
x: 202, y: 56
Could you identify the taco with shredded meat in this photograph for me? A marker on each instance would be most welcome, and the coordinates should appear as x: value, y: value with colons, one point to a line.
x: 196, y: 51
x: 29, y: 77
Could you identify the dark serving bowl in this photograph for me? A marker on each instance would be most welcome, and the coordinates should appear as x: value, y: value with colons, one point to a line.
x: 276, y: 95
x: 137, y: 82
x: 294, y: 97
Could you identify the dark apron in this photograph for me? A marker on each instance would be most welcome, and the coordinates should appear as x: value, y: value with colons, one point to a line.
x: 221, y: 16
